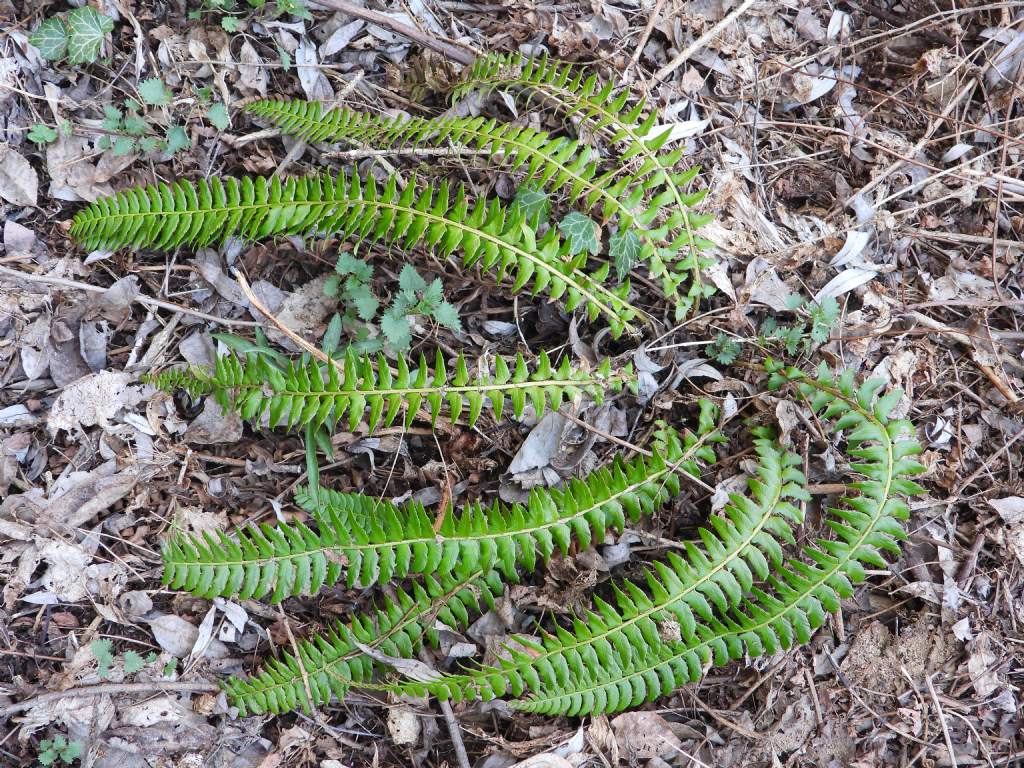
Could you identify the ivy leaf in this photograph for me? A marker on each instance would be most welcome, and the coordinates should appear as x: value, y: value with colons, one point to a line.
x: 154, y: 92
x: 217, y: 114
x: 624, y: 249
x: 103, y: 651
x: 581, y: 232
x: 87, y: 29
x: 447, y: 315
x: 41, y: 134
x: 149, y: 144
x: 409, y: 280
x: 396, y: 330
x: 51, y: 39
x: 133, y: 663
x: 534, y: 204
x: 177, y: 139
x: 230, y: 24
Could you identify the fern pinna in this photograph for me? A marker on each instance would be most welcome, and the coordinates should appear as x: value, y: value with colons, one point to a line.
x: 443, y: 217
x: 577, y: 95
x: 374, y: 541
x: 565, y: 165
x: 310, y: 392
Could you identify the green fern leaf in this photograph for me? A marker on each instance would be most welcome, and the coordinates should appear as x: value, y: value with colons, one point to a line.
x: 557, y: 163
x: 685, y: 594
x: 583, y: 97
x: 333, y: 661
x: 560, y: 164
x: 381, y: 541
x: 308, y: 392
x: 799, y: 594
x: 487, y: 234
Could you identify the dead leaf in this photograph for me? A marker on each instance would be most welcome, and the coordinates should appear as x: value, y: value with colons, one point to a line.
x: 644, y: 735
x: 314, y: 82
x: 93, y: 400
x: 214, y: 425
x: 19, y: 184
x: 404, y: 726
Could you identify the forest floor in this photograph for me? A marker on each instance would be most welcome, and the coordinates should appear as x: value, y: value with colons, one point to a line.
x: 868, y: 153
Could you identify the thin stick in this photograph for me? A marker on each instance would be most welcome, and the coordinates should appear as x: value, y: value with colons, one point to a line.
x: 652, y: 19
x: 292, y: 335
x: 446, y: 49
x: 141, y: 298
x: 699, y: 43
x: 111, y: 688
x: 455, y: 729
x: 298, y: 657
x: 942, y: 720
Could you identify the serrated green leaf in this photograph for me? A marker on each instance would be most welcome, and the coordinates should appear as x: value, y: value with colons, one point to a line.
x: 51, y: 39
x: 135, y: 124
x: 41, y: 134
x: 396, y: 330
x: 410, y: 280
x: 103, y: 650
x: 217, y: 114
x: 177, y: 140
x: 365, y: 303
x: 154, y: 92
x: 133, y: 662
x: 447, y: 315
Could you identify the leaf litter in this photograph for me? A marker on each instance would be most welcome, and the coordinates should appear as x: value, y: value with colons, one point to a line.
x: 862, y: 154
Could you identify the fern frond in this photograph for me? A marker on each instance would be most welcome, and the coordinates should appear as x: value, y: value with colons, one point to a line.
x: 799, y: 594
x: 333, y: 661
x: 397, y: 541
x: 565, y: 165
x: 577, y: 95
x: 737, y: 549
x: 307, y: 392
x: 487, y: 234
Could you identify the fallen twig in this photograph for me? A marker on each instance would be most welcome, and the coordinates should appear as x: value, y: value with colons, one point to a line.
x: 446, y: 49
x: 177, y: 686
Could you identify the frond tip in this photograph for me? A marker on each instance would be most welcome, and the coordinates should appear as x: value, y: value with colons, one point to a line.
x: 308, y: 392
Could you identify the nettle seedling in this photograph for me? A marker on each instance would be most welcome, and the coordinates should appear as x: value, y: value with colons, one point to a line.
x: 59, y: 748
x: 740, y: 588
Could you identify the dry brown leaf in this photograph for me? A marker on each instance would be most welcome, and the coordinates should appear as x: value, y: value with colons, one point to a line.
x: 19, y: 184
